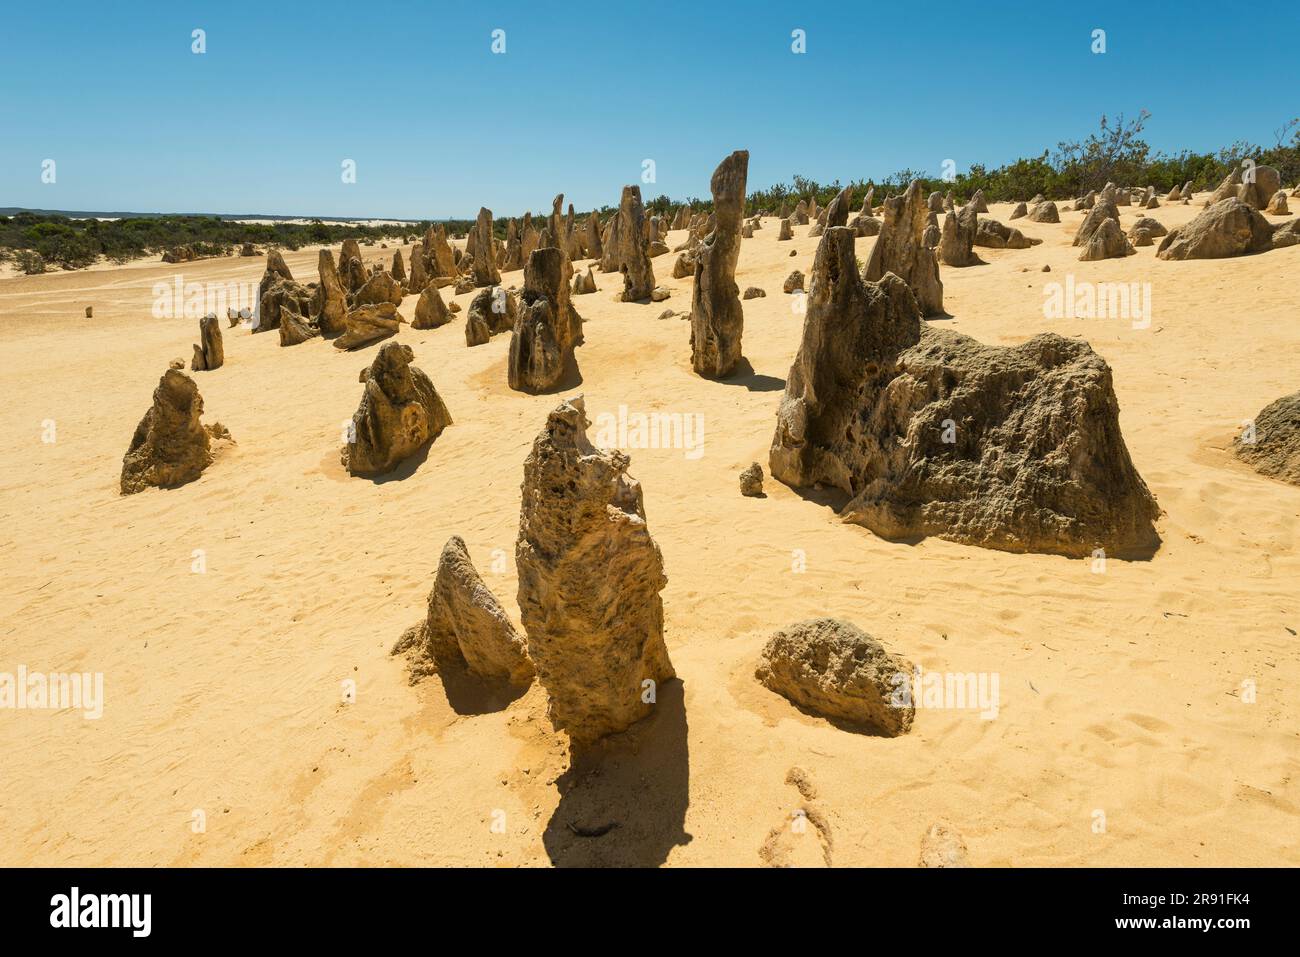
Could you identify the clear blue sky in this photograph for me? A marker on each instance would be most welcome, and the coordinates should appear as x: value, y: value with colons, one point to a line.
x: 438, y: 125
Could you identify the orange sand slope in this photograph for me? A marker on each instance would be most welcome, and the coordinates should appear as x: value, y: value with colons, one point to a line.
x: 225, y: 738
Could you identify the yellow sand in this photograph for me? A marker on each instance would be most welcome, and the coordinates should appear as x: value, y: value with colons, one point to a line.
x: 1121, y: 692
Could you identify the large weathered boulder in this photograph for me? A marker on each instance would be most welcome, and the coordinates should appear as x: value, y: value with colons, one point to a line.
x: 1259, y: 185
x: 1044, y: 212
x: 491, y: 312
x: 400, y: 411
x: 995, y: 235
x: 295, y: 328
x: 786, y: 231
x: 546, y: 328
x: 1230, y: 188
x: 367, y: 324
x: 1272, y: 443
x: 1277, y: 206
x: 717, y: 318
x: 1106, y: 242
x: 1101, y: 211
x: 276, y: 289
x: 589, y: 582
x: 171, y: 446
x: 209, y: 351
x: 932, y: 433
x: 466, y: 630
x: 1153, y: 226
x: 430, y: 311
x: 899, y: 249
x: 1228, y: 228
x: 626, y: 252
x: 381, y: 287
x: 833, y: 669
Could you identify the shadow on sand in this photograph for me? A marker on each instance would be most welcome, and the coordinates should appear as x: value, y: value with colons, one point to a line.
x: 624, y: 801
x: 745, y: 375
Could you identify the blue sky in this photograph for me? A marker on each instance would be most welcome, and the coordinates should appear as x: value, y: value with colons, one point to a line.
x: 439, y: 125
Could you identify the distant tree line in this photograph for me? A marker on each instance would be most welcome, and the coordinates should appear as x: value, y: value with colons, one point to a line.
x: 1116, y: 152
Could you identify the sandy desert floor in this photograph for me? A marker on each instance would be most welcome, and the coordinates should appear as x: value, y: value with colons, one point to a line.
x: 1121, y: 692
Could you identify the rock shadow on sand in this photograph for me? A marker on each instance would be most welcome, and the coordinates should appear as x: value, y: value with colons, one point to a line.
x: 624, y: 801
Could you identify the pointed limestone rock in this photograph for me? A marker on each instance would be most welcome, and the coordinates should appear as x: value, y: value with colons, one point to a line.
x: 400, y: 411
x: 589, y: 582
x: 717, y: 319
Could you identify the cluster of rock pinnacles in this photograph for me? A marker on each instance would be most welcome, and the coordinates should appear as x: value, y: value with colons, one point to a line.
x: 924, y: 431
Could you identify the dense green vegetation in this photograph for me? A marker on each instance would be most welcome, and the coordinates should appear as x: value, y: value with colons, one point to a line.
x: 37, y: 242
x: 1115, y: 153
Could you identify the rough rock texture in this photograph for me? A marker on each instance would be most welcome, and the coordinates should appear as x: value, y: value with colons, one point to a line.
x: 932, y: 433
x: 626, y: 251
x: 594, y: 248
x: 717, y: 319
x: 899, y: 249
x: 485, y: 266
x: 209, y: 352
x: 832, y: 668
x: 514, y: 257
x: 751, y: 481
x: 957, y: 240
x: 786, y: 231
x: 1106, y: 242
x: 1228, y: 189
x: 792, y: 282
x: 399, y: 412
x: 419, y: 277
x: 866, y: 225
x: 398, y: 270
x: 466, y: 629
x: 1044, y: 212
x: 1152, y: 226
x: 978, y: 202
x: 684, y: 266
x: 430, y: 311
x: 942, y: 846
x: 584, y: 284
x: 546, y: 328
x: 1275, y: 451
x: 1277, y: 206
x: 295, y: 328
x: 170, y: 446
x: 369, y: 324
x: 995, y: 235
x: 329, y: 303
x: 1228, y: 228
x: 1020, y: 210
x: 381, y: 287
x: 491, y: 312
x: 589, y: 582
x: 438, y: 253
x: 1259, y: 187
x: 1140, y: 236
x: 1101, y: 211
x: 276, y: 289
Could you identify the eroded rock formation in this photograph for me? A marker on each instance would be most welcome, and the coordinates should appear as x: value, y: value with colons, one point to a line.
x: 589, y: 582
x: 400, y: 411
x: 929, y: 432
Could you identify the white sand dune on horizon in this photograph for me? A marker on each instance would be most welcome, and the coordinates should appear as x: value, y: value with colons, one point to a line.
x: 1121, y: 693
